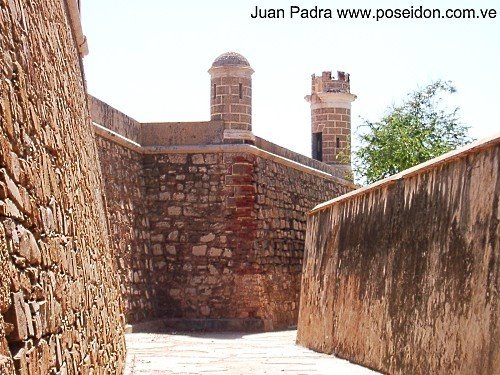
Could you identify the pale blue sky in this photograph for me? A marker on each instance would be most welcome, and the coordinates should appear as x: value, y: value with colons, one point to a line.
x: 150, y: 58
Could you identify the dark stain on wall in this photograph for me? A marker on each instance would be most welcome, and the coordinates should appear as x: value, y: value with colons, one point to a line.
x: 404, y: 278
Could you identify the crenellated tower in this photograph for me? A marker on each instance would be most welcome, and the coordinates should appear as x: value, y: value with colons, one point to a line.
x: 330, y: 101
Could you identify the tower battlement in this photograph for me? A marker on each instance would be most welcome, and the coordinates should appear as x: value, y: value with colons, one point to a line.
x: 325, y: 82
x: 330, y: 101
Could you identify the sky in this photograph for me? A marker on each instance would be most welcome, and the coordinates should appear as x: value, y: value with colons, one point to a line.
x: 149, y: 59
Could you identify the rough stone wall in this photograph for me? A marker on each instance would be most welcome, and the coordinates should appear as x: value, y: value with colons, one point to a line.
x: 129, y: 226
x: 227, y: 234
x: 198, y: 241
x: 60, y: 305
x: 403, y: 277
x: 283, y: 197
x: 207, y: 234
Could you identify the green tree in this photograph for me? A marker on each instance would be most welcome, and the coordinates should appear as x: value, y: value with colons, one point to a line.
x: 411, y: 133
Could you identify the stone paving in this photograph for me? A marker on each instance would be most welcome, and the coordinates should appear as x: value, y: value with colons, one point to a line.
x: 229, y: 353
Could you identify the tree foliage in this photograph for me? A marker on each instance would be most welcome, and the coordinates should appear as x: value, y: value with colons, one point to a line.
x: 415, y: 131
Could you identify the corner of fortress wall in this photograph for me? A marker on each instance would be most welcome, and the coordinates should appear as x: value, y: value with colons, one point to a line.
x: 402, y: 275
x: 60, y: 301
x: 207, y: 230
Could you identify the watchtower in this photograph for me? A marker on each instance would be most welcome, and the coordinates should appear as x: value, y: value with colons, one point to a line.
x: 331, y: 119
x: 231, y: 96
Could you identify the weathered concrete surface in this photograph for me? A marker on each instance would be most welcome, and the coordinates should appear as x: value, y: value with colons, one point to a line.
x: 403, y: 275
x: 229, y: 353
x: 107, y: 116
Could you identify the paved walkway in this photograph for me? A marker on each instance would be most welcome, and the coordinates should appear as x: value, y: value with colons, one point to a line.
x: 229, y: 353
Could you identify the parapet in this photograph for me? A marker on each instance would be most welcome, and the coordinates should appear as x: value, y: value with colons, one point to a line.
x: 325, y: 82
x: 329, y: 91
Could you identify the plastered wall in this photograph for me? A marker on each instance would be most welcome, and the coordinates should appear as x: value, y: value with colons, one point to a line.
x: 402, y: 276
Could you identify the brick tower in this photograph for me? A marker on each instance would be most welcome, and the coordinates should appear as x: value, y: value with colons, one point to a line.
x: 331, y: 119
x: 231, y: 96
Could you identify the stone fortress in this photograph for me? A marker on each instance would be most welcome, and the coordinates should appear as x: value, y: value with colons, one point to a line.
x: 207, y: 220
x: 106, y: 221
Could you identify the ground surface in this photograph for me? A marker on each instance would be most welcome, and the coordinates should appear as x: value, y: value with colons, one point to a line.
x: 229, y: 353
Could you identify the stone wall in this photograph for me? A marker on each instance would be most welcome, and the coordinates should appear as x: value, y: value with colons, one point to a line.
x: 195, y: 248
x: 208, y: 230
x: 129, y: 226
x: 402, y: 276
x: 60, y: 305
x: 227, y: 234
x: 283, y: 197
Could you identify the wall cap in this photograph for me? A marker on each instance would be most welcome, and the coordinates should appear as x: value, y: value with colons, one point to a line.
x: 239, y: 134
x: 215, y: 148
x: 76, y: 27
x: 419, y: 168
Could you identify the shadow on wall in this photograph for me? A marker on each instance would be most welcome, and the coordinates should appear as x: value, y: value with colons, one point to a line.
x: 402, y: 276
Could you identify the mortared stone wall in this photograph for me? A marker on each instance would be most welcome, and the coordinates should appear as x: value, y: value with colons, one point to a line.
x: 208, y: 230
x: 60, y: 302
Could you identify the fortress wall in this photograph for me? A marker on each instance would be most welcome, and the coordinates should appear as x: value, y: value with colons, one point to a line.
x: 283, y: 197
x: 227, y: 231
x: 201, y: 241
x: 60, y: 304
x: 208, y: 231
x: 114, y: 120
x: 402, y: 276
x: 129, y: 226
x: 182, y: 133
x: 299, y: 158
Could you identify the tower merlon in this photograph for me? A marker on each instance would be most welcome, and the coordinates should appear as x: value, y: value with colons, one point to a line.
x: 329, y: 92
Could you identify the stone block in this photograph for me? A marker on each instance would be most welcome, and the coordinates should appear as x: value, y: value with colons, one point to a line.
x: 207, y: 238
x: 174, y: 210
x: 197, y: 159
x: 214, y: 252
x: 28, y: 247
x: 200, y: 250
x: 16, y: 315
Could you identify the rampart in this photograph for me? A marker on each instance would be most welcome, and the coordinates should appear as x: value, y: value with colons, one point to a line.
x: 204, y: 229
x: 402, y: 276
x: 60, y: 303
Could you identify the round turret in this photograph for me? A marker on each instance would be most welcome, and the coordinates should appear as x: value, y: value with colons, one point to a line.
x: 231, y: 96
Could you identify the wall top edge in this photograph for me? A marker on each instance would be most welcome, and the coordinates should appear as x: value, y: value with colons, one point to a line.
x: 446, y: 158
x: 213, y: 148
